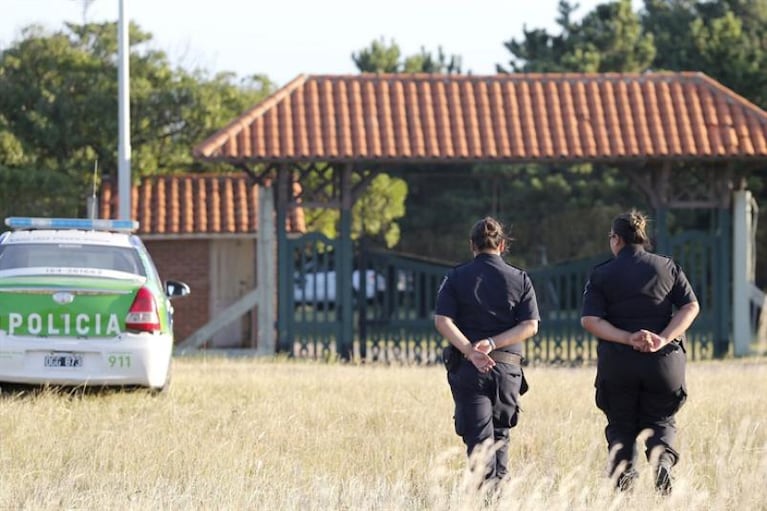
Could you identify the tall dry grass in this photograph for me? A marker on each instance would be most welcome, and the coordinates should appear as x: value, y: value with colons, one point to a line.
x: 254, y: 434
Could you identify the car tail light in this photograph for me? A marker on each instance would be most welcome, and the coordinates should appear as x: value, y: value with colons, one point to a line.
x: 142, y: 315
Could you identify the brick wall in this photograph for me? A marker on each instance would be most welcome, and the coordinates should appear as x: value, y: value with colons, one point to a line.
x: 187, y: 261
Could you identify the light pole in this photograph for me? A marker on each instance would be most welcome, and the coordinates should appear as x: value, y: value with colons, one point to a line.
x: 123, y: 120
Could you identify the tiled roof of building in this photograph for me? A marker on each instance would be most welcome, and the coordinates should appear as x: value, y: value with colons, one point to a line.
x: 194, y: 205
x: 504, y: 117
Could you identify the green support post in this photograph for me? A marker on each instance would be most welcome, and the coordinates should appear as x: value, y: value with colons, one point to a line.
x: 345, y: 269
x: 723, y: 283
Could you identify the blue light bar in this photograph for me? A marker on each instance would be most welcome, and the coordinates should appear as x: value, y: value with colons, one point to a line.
x: 18, y: 222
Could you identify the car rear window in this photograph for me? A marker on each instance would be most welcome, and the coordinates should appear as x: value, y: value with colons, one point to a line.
x: 70, y: 255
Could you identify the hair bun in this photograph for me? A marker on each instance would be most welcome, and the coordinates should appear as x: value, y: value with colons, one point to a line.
x: 630, y: 226
x: 487, y: 233
x: 637, y: 221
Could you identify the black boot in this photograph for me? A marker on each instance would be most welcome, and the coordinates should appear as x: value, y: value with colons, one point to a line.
x: 626, y: 480
x: 663, y: 477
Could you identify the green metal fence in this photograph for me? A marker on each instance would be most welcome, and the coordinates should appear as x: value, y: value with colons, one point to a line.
x: 310, y: 321
x: 397, y: 324
x: 394, y: 297
x: 560, y: 338
x: 703, y: 255
x: 707, y: 265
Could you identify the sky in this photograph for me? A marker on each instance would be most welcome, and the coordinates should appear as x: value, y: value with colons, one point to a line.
x: 284, y: 38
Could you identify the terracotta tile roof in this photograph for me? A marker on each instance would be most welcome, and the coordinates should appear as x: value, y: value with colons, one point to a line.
x: 506, y: 117
x: 194, y: 205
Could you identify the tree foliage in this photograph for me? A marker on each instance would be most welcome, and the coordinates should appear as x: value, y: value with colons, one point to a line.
x: 36, y: 192
x: 725, y: 39
x: 378, y: 58
x: 384, y: 201
x: 609, y: 38
x: 381, y: 57
x: 555, y: 212
x: 58, y: 105
x: 58, y: 115
x: 375, y: 214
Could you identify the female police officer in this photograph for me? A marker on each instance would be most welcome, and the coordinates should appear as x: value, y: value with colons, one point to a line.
x: 486, y: 309
x: 640, y: 383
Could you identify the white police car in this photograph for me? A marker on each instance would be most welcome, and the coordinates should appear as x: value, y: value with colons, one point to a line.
x: 81, y: 304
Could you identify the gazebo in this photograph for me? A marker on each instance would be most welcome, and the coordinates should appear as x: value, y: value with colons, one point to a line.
x: 682, y: 138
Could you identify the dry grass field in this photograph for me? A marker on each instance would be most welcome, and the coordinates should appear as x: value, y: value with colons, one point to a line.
x: 255, y: 434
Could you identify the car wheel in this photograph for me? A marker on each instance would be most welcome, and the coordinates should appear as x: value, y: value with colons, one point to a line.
x: 10, y: 390
x: 163, y: 390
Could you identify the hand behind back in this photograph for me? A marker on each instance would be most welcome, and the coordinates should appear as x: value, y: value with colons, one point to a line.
x: 480, y: 356
x: 647, y: 341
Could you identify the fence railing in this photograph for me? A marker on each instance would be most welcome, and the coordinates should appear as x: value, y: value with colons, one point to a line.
x: 394, y: 299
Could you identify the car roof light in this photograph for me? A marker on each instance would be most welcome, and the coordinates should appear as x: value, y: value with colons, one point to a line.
x: 100, y: 224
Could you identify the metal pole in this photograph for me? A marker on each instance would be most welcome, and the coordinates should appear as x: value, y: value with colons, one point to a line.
x: 266, y: 248
x: 123, y: 93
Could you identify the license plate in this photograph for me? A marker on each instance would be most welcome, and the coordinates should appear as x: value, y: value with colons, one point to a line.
x: 63, y: 360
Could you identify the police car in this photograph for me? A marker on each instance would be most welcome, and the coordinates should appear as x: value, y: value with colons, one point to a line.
x: 81, y: 304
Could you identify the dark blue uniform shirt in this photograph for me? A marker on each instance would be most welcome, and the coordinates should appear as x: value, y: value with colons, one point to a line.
x: 486, y: 297
x: 636, y: 289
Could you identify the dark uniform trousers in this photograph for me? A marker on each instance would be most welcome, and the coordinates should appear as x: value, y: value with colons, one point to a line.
x: 486, y: 406
x: 639, y: 391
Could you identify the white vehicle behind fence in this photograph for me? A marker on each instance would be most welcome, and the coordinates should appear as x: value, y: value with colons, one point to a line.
x: 319, y: 288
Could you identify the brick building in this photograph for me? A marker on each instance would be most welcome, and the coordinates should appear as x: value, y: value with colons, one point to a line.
x: 201, y: 229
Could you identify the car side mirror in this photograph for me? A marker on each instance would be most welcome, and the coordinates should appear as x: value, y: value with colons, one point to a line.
x: 174, y: 288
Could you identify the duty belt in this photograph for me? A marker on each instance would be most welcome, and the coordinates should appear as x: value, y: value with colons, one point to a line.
x: 504, y: 357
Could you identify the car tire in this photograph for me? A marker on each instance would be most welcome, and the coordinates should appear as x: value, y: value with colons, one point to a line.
x: 164, y: 389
